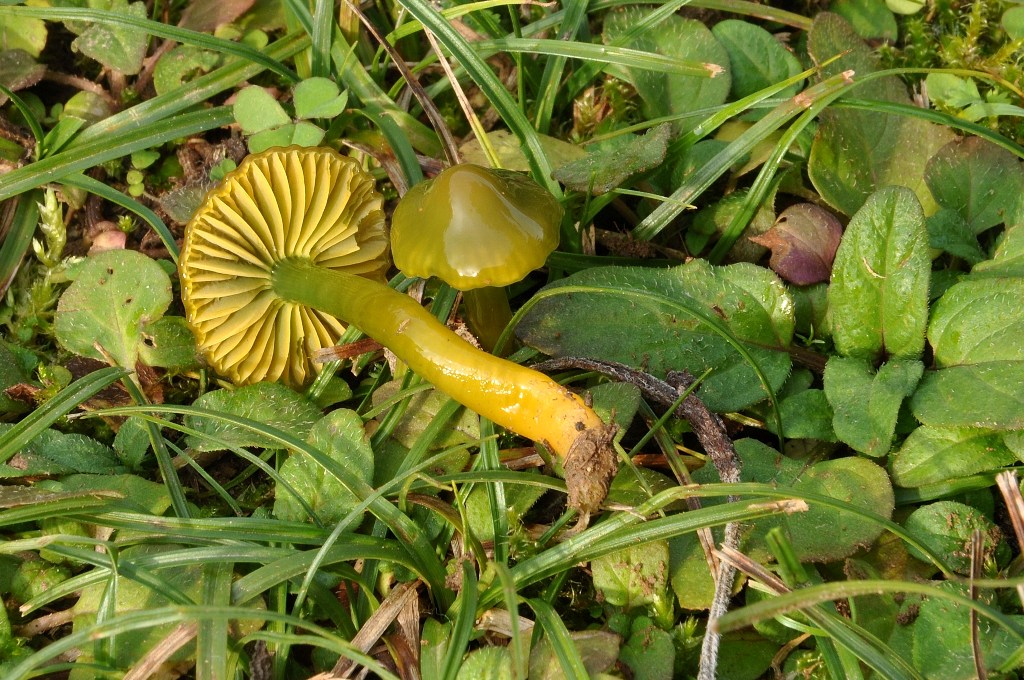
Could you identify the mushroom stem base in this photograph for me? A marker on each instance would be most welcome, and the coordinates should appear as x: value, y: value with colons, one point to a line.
x: 487, y: 313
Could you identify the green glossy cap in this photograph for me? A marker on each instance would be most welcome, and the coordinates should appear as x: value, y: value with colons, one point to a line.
x: 475, y: 227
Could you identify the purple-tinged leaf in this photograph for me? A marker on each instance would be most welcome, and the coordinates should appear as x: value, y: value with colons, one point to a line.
x: 803, y: 242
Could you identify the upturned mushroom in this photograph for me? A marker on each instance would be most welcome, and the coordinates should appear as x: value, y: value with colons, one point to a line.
x: 479, y: 230
x: 292, y: 245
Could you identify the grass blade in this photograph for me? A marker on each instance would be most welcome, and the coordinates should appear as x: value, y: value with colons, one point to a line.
x: 704, y: 177
x: 551, y: 80
x: 188, y: 95
x: 84, y: 156
x: 63, y: 403
x: 462, y: 626
x: 490, y: 85
x: 604, y: 54
x: 559, y: 639
x: 18, y: 238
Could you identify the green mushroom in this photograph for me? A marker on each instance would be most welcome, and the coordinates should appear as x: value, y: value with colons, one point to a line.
x: 478, y: 230
x: 292, y: 245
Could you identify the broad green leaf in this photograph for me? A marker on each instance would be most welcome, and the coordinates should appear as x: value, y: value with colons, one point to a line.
x: 869, y: 18
x: 937, y: 454
x: 256, y: 110
x: 487, y: 663
x: 758, y: 60
x: 270, y: 404
x: 34, y: 577
x: 89, y: 106
x: 106, y: 311
x: 952, y: 90
x: 980, y: 395
x: 807, y: 415
x: 875, y: 613
x: 1012, y: 22
x: 180, y: 584
x: 831, y: 35
x: 905, y: 6
x: 118, y: 47
x: 209, y: 16
x: 978, y: 180
x: 878, y: 300
x: 1008, y: 258
x: 979, y: 321
x: 18, y: 70
x: 137, y: 494
x: 168, y: 343
x: 598, y: 649
x: 420, y: 410
x: 745, y: 655
x: 519, y: 498
x: 716, y: 218
x: 131, y: 444
x: 56, y: 453
x: 318, y: 98
x: 858, y: 152
x: 855, y: 480
x: 604, y: 170
x: 942, y: 638
x: 866, y: 403
x: 974, y: 333
x: 672, y: 319
x: 302, y: 133
x: 649, y: 651
x: 10, y: 374
x: 510, y: 152
x: 665, y: 94
x: 339, y: 435
x: 947, y: 231
x: 22, y: 33
x: 634, y: 577
x: 946, y: 527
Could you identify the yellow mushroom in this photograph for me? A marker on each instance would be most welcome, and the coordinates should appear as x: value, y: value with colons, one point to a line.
x: 477, y: 229
x: 292, y: 245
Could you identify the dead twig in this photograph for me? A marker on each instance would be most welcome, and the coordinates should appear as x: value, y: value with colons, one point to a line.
x: 710, y: 430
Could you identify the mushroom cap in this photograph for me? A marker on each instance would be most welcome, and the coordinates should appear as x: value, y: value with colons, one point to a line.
x: 296, y: 202
x: 474, y: 227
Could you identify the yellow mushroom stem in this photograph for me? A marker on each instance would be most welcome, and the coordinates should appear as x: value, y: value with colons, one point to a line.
x: 487, y: 313
x: 515, y: 397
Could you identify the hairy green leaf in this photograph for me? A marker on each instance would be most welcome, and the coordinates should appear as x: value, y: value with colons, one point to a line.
x: 339, y: 435
x: 602, y: 171
x: 937, y: 454
x: 634, y: 577
x: 857, y: 152
x: 979, y: 181
x: 757, y: 59
x: 878, y: 300
x: 265, y: 403
x: 866, y: 403
x: 56, y: 453
x: 693, y: 317
x: 665, y: 94
x: 106, y: 312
